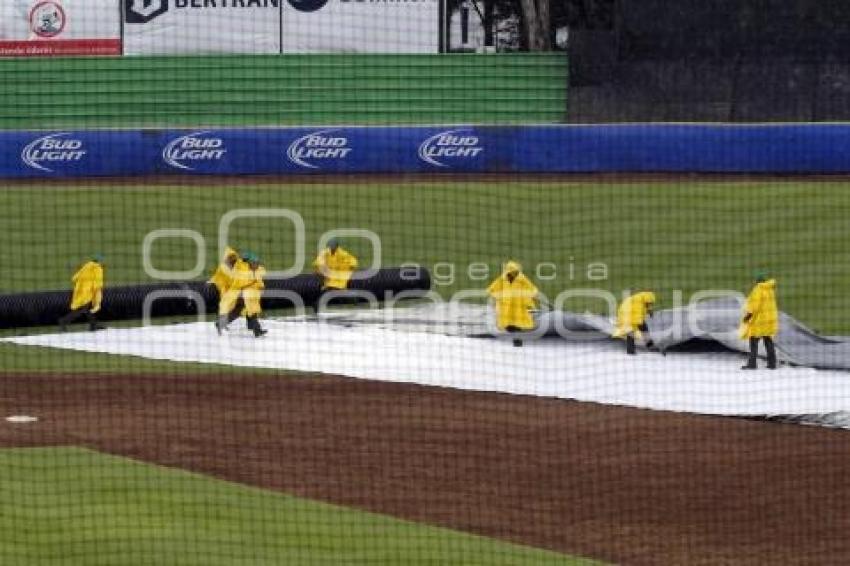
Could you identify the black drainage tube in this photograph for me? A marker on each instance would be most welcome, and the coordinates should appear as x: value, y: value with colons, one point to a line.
x: 42, y: 308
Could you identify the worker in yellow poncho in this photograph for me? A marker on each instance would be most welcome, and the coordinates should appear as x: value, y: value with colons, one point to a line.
x: 88, y: 294
x: 631, y: 319
x: 334, y: 265
x: 761, y: 320
x: 221, y: 279
x: 223, y: 274
x: 515, y: 295
x: 246, y: 284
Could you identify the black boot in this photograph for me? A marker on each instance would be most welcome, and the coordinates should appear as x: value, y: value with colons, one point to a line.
x: 94, y: 325
x: 751, y: 359
x: 254, y: 325
x: 630, y: 345
x: 771, y: 352
x: 511, y: 329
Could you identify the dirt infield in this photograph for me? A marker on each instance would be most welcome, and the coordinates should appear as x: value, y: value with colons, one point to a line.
x: 624, y: 485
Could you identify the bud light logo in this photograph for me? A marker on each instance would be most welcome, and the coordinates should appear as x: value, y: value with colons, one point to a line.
x: 310, y: 150
x: 186, y: 152
x: 451, y: 144
x: 48, y: 151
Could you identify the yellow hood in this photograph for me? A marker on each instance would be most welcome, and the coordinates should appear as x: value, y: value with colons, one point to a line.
x: 512, y: 267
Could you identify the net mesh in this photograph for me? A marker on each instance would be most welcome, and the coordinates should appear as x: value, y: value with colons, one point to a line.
x: 367, y: 379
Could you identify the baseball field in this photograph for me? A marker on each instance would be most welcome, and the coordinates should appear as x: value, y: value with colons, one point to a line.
x: 141, y: 459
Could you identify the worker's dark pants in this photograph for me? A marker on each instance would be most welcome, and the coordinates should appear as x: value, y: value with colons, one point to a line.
x: 225, y: 319
x: 517, y: 341
x: 236, y: 312
x: 79, y: 313
x: 325, y: 291
x: 630, y: 340
x: 252, y: 322
x: 754, y: 351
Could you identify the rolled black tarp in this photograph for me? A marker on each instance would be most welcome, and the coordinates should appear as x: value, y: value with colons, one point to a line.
x: 42, y: 308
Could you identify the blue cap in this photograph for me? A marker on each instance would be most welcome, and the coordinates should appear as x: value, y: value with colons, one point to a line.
x: 250, y: 257
x: 98, y: 257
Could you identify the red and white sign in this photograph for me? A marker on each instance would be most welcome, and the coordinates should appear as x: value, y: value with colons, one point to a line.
x: 52, y: 28
x: 47, y: 19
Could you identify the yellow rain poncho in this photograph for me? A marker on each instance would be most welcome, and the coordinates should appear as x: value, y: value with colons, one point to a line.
x: 249, y: 284
x: 632, y: 314
x: 514, y: 298
x: 335, y: 267
x: 88, y: 286
x: 764, y: 316
x: 223, y: 275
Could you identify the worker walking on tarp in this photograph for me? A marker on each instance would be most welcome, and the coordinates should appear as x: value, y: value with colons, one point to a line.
x: 631, y: 320
x: 222, y: 278
x: 334, y: 265
x: 88, y: 294
x: 515, y: 296
x: 223, y: 274
x: 246, y: 284
x: 761, y: 320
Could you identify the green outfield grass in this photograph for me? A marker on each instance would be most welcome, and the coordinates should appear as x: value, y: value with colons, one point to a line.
x: 685, y: 236
x: 74, y: 506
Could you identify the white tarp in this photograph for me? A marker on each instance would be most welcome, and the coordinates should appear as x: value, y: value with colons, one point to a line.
x: 60, y: 27
x: 598, y: 371
x: 156, y: 27
x: 360, y: 26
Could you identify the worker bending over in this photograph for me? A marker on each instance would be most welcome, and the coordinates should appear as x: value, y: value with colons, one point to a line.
x: 515, y: 295
x: 246, y: 284
x: 631, y: 320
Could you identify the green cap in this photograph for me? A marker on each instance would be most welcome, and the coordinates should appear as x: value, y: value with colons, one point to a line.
x: 250, y: 257
x: 761, y: 275
x: 98, y: 257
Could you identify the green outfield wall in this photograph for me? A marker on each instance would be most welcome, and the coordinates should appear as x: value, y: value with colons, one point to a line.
x: 289, y: 89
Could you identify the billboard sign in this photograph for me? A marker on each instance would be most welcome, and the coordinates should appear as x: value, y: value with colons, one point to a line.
x: 751, y: 148
x: 156, y: 27
x: 360, y: 26
x: 44, y: 28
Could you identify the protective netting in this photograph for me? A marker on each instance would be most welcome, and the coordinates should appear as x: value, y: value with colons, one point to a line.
x: 337, y: 282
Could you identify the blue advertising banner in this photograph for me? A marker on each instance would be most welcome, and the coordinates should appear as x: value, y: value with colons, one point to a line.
x: 465, y: 149
x: 75, y: 154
